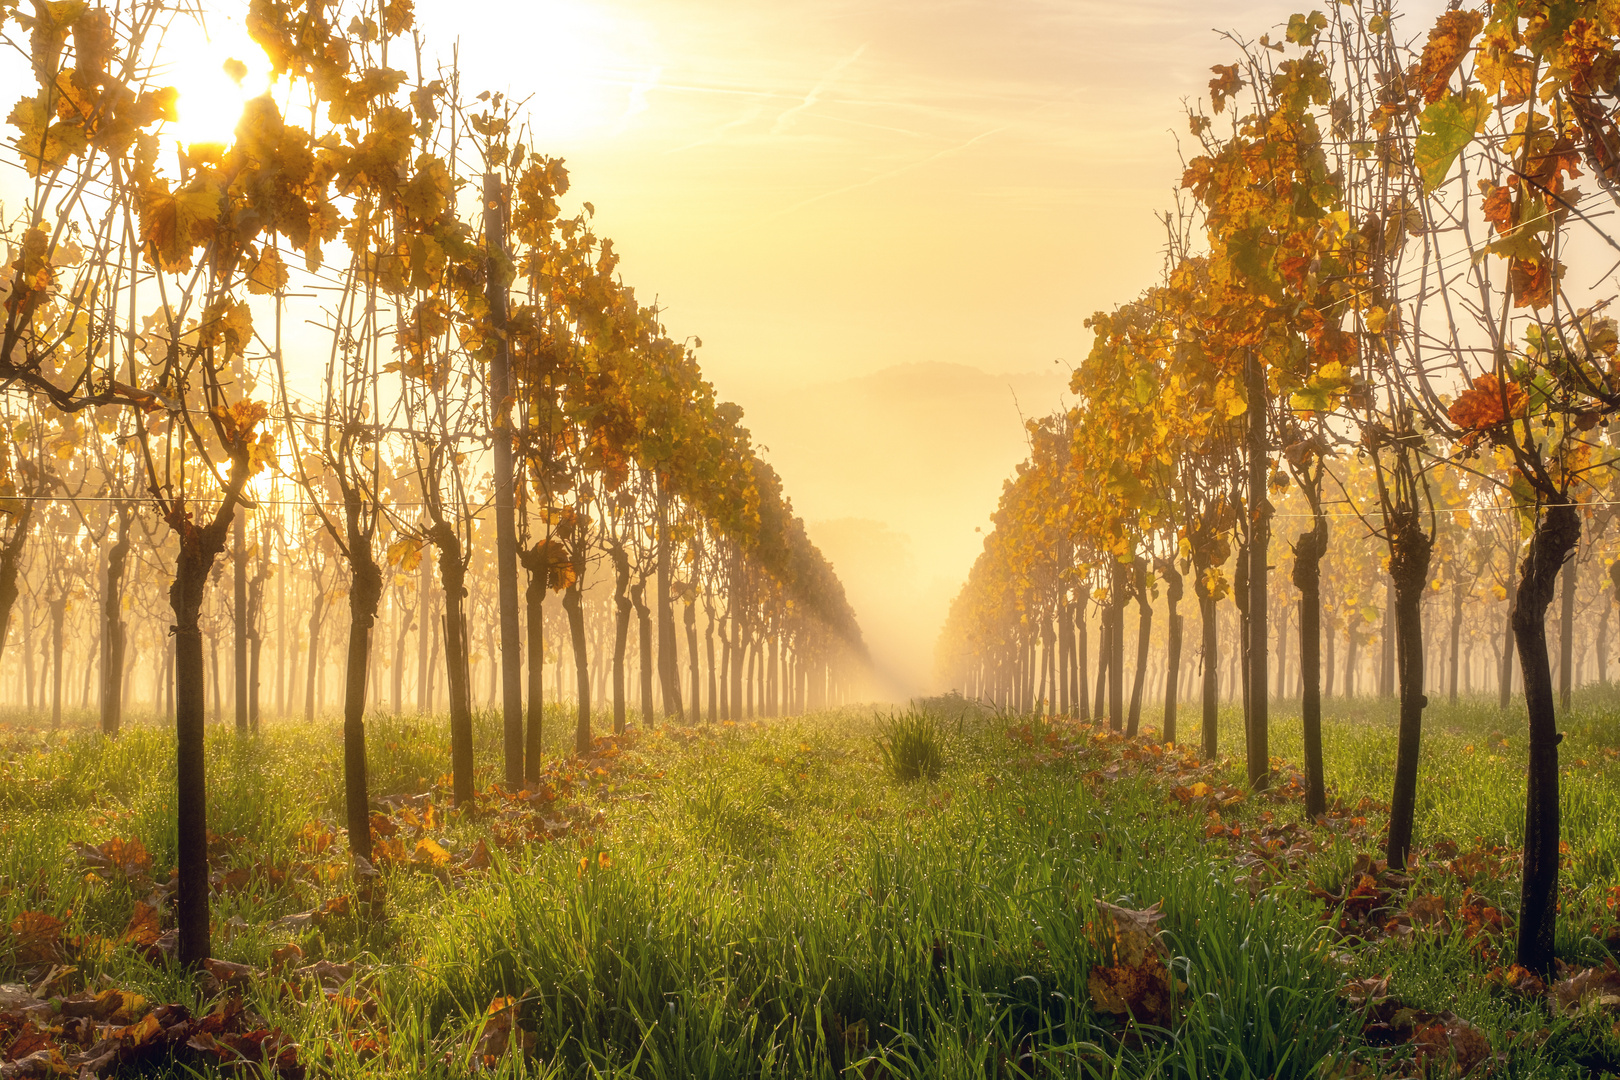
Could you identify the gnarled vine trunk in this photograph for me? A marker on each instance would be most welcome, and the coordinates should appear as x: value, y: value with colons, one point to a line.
x: 534, y: 617
x: 669, y: 681
x: 689, y: 618
x: 112, y: 633
x: 1144, y: 626
x: 1172, y: 648
x: 1555, y: 536
x: 708, y: 641
x: 621, y: 630
x: 58, y: 610
x: 1259, y: 511
x: 1308, y: 552
x: 11, y: 553
x: 199, y: 547
x: 1566, y: 636
x: 582, y: 667
x: 453, y: 584
x: 365, y: 594
x: 1458, y: 595
x: 1209, y: 633
x: 1409, y: 551
x: 638, y: 598
x: 1082, y: 696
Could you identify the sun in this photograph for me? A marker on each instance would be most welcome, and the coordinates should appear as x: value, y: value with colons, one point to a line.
x: 217, y: 68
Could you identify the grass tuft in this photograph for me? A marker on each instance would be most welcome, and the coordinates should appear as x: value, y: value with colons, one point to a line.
x: 911, y: 746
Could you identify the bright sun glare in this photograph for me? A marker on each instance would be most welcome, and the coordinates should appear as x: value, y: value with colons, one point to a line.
x: 212, y: 97
x: 574, y: 78
x: 574, y: 73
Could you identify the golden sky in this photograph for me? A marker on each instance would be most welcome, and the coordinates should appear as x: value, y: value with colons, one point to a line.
x: 887, y: 221
x: 822, y: 189
x: 840, y: 197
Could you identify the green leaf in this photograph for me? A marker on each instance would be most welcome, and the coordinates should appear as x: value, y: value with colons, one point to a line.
x: 1310, y: 399
x: 1303, y: 29
x: 1524, y: 502
x: 1448, y: 125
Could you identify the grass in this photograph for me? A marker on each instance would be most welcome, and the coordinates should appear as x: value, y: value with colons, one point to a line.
x: 910, y: 746
x: 767, y: 900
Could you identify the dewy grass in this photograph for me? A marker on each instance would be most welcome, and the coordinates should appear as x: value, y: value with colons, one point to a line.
x: 761, y: 901
x: 910, y: 745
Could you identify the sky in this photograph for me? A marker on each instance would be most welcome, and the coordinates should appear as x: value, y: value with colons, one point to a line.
x: 886, y: 221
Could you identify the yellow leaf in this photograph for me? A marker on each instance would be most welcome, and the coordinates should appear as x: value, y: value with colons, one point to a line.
x: 172, y: 224
x: 428, y: 850
x: 267, y: 274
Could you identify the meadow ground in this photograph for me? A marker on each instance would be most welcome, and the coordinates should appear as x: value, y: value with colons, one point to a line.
x: 766, y: 900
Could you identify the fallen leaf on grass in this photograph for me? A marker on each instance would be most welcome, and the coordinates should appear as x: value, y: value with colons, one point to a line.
x: 478, y: 858
x: 1588, y: 986
x: 99, y: 1035
x: 39, y: 1064
x: 335, y: 908
x: 226, y: 974
x: 1449, y: 1040
x: 36, y: 938
x: 499, y: 1032
x: 1359, y: 992
x: 112, y: 1006
x: 1131, y: 980
x: 1440, y: 1039
x: 1479, y: 916
x: 126, y: 857
x: 284, y: 956
x: 429, y: 852
x: 145, y: 926
x: 1518, y: 980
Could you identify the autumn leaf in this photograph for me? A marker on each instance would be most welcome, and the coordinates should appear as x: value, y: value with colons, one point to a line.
x: 1130, y: 979
x: 1506, y: 75
x: 44, y: 143
x: 1448, y: 125
x: 174, y: 223
x: 1303, y: 30
x: 126, y: 857
x: 1323, y: 390
x: 1452, y: 1042
x: 430, y: 852
x: 227, y: 322
x: 405, y: 553
x: 427, y: 193
x: 145, y: 926
x: 500, y: 1032
x: 1598, y: 985
x: 36, y: 937
x: 1225, y: 83
x: 1532, y: 281
x: 1448, y: 43
x: 267, y: 273
x: 1499, y: 208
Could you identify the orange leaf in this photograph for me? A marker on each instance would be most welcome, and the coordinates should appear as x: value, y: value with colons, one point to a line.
x: 1447, y: 45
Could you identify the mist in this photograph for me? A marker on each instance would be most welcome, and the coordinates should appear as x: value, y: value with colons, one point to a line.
x: 895, y: 474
